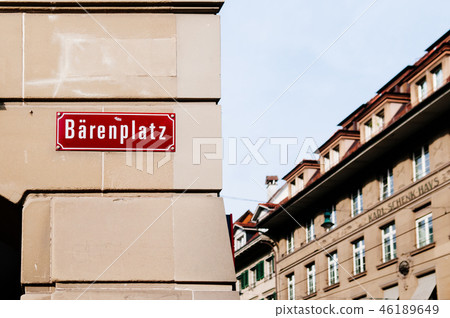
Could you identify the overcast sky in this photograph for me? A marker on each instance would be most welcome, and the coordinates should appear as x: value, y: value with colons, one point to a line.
x: 267, y: 45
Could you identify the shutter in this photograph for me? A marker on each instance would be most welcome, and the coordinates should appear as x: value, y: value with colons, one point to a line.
x: 245, y: 279
x: 262, y: 269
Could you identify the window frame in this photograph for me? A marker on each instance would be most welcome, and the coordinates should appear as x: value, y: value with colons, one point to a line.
x: 238, y: 244
x: 333, y: 217
x: 334, y: 156
x: 429, y: 238
x: 361, y: 251
x: 359, y: 202
x: 389, y: 178
x: 424, y: 158
x: 333, y: 265
x: 290, y: 243
x: 291, y: 286
x: 311, y: 287
x: 434, y: 72
x: 391, y: 237
x: 253, y: 276
x: 326, y: 161
x: 378, y: 118
x: 310, y: 231
x: 422, y: 89
x: 368, y: 129
x: 270, y: 266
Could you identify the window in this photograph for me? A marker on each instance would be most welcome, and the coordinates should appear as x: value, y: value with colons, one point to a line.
x: 311, y: 278
x: 438, y: 78
x: 389, y: 242
x: 240, y: 241
x: 422, y: 89
x: 359, y: 257
x: 293, y: 187
x: 300, y: 182
x: 272, y: 296
x: 326, y: 162
x: 310, y: 231
x: 270, y: 266
x: 334, y: 156
x: 421, y: 162
x: 243, y: 280
x: 386, y: 185
x: 290, y: 243
x: 291, y: 286
x: 333, y: 218
x: 253, y: 274
x: 357, y: 202
x: 368, y: 129
x: 297, y: 185
x: 424, y: 231
x: 379, y: 121
x: 333, y: 275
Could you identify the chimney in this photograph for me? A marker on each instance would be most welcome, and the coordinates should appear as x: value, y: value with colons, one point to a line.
x: 272, y: 186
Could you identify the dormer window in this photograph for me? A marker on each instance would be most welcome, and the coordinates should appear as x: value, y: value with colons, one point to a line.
x: 379, y: 121
x: 334, y: 155
x: 326, y: 162
x: 438, y: 78
x: 422, y: 89
x: 297, y: 184
x: 300, y: 184
x: 293, y: 187
x: 368, y: 129
x: 240, y: 241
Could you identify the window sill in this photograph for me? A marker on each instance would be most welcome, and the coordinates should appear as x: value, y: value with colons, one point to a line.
x: 388, y: 263
x: 310, y: 296
x: 423, y: 249
x: 328, y: 288
x: 355, y: 277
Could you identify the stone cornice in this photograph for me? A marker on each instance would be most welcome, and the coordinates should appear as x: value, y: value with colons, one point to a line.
x: 108, y: 6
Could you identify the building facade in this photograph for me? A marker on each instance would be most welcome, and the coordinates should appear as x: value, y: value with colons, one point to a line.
x: 254, y: 260
x: 370, y: 218
x: 95, y: 224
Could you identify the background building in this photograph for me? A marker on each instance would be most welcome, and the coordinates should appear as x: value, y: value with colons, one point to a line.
x: 254, y: 260
x: 370, y: 219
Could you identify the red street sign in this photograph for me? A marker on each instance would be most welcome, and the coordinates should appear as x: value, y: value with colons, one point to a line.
x: 115, y: 131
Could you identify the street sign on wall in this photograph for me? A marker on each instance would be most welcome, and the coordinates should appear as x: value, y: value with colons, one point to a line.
x: 91, y: 131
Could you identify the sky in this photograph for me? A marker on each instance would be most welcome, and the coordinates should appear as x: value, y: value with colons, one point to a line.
x: 304, y: 66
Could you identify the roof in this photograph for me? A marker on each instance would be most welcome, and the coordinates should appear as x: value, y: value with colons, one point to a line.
x: 303, y: 163
x: 248, y: 224
x: 441, y: 39
x: 434, y: 49
x: 404, y: 114
x: 336, y: 136
x: 244, y: 218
